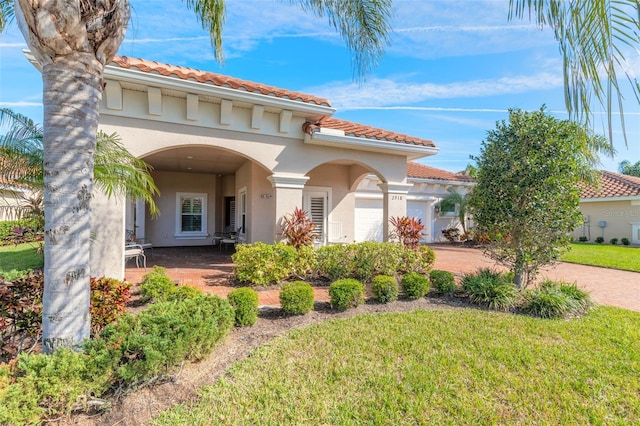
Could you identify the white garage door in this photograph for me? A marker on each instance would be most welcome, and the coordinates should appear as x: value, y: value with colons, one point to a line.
x: 418, y: 209
x: 368, y: 220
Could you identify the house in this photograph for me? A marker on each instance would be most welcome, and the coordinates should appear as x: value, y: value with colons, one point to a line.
x: 429, y: 186
x: 234, y: 155
x: 612, y: 209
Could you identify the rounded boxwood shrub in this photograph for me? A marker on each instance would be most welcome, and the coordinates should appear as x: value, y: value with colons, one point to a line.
x: 296, y: 298
x: 415, y: 285
x: 157, y: 286
x: 443, y: 281
x: 384, y: 288
x: 245, y: 303
x: 346, y: 293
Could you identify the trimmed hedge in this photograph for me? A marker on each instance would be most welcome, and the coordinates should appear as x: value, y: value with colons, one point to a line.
x: 296, y: 298
x: 443, y: 281
x: 415, y: 286
x: 346, y: 293
x: 263, y: 264
x: 384, y: 288
x: 245, y: 303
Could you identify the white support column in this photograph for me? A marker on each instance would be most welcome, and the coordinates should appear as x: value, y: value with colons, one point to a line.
x: 394, y: 204
x: 288, y: 195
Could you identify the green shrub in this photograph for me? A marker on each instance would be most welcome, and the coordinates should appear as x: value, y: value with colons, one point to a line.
x: 384, y: 288
x: 599, y: 240
x: 296, y: 298
x: 490, y: 288
x: 8, y: 236
x: 414, y: 285
x: 554, y: 299
x: 109, y: 298
x: 346, y: 293
x: 183, y: 292
x: 157, y: 286
x: 443, y: 281
x: 613, y: 241
x: 44, y: 386
x: 265, y: 264
x: 625, y: 241
x: 583, y: 239
x: 365, y: 260
x: 245, y: 303
x: 148, y: 344
x: 14, y: 274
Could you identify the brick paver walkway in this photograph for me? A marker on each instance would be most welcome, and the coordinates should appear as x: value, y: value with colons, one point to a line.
x: 207, y: 269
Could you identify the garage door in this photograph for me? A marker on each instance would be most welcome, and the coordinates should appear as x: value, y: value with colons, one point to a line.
x: 368, y: 220
x: 418, y: 209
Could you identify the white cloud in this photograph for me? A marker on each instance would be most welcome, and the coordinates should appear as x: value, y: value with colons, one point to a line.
x: 388, y: 93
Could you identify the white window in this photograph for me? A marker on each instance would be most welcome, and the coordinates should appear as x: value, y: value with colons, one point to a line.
x: 191, y: 215
x: 448, y: 208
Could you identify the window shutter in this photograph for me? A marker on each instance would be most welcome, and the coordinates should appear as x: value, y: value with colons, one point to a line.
x: 317, y: 211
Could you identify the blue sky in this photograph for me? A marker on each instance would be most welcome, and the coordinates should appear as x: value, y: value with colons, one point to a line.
x: 453, y: 68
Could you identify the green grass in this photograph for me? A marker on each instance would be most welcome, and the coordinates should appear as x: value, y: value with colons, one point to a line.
x: 608, y: 256
x: 21, y: 257
x: 434, y: 367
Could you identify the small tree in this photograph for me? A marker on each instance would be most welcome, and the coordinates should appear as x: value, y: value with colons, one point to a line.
x: 298, y: 228
x: 462, y: 201
x: 408, y: 230
x: 527, y: 193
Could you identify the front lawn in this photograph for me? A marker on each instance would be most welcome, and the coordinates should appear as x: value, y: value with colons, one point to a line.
x: 608, y: 256
x: 20, y: 257
x: 435, y: 367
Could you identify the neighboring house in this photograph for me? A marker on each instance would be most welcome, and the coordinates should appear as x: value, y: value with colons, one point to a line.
x: 611, y: 210
x: 235, y: 155
x: 428, y: 186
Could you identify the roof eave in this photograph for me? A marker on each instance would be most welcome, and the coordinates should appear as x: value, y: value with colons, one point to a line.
x: 365, y: 144
x: 604, y: 199
x: 441, y: 181
x: 197, y: 88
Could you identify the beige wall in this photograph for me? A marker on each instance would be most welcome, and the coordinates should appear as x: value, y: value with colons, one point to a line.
x: 618, y: 215
x: 161, y: 230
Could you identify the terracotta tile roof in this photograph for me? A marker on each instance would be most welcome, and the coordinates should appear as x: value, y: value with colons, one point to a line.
x: 361, y: 130
x: 613, y: 185
x: 206, y: 77
x: 420, y: 171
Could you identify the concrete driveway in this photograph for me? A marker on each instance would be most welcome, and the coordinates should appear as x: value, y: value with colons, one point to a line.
x: 607, y: 286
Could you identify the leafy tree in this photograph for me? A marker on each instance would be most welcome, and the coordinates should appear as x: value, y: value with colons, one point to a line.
x: 626, y: 168
x: 593, y: 36
x: 527, y: 192
x: 72, y: 41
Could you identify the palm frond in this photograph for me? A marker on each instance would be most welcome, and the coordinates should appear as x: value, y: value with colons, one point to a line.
x: 363, y: 24
x: 211, y: 14
x: 6, y: 14
x: 593, y: 36
x: 116, y: 171
x: 21, y: 152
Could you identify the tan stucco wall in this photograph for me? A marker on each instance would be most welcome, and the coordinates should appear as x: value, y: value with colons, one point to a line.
x: 161, y: 230
x: 618, y: 215
x: 107, y: 229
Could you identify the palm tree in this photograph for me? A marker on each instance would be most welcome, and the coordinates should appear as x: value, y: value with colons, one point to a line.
x: 626, y: 168
x: 116, y: 171
x: 72, y: 42
x: 592, y: 35
x: 453, y: 197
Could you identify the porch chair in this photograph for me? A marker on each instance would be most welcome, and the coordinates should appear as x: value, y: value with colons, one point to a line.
x: 134, y: 250
x: 143, y: 242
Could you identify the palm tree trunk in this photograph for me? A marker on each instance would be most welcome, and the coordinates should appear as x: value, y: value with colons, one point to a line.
x: 72, y: 94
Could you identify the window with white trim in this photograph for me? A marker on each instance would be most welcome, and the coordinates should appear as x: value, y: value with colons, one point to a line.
x: 448, y: 208
x: 191, y: 214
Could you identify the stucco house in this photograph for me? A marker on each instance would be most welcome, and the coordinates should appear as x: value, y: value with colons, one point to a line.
x: 230, y: 154
x: 611, y: 210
